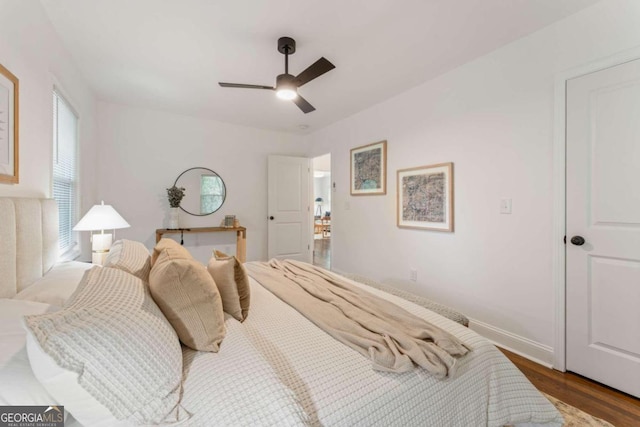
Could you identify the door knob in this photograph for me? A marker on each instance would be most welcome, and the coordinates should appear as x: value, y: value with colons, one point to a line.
x: 271, y: 218
x: 577, y: 240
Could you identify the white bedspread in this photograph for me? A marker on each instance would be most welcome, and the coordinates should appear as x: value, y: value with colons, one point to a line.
x: 336, y: 386
x: 277, y: 368
x: 236, y: 386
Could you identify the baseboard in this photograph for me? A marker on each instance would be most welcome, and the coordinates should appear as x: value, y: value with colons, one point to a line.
x: 532, y: 350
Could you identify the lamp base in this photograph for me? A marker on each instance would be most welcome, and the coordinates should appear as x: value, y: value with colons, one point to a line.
x: 98, y: 258
x: 100, y: 245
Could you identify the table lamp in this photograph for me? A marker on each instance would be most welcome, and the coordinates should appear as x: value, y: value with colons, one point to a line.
x: 99, y: 218
x: 319, y: 207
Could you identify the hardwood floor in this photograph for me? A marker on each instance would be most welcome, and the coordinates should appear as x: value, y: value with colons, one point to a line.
x: 322, y: 253
x: 620, y: 409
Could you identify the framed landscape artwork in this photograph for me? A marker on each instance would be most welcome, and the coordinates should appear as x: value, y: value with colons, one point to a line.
x: 369, y: 169
x: 8, y: 127
x: 425, y: 197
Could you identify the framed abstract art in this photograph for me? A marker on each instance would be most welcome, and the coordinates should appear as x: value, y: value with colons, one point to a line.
x: 369, y: 169
x: 425, y: 197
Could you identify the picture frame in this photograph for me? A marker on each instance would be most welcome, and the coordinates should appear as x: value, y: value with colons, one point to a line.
x: 9, y: 127
x: 425, y: 197
x: 369, y: 169
x: 229, y: 221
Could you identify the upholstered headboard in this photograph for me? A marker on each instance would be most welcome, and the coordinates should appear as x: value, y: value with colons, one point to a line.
x: 28, y: 242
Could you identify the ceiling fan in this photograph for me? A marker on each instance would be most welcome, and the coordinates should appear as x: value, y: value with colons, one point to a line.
x: 286, y: 84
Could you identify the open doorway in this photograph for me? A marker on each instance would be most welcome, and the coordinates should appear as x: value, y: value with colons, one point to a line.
x: 322, y: 211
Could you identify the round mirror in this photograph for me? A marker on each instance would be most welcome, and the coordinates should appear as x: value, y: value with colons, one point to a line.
x: 204, y: 191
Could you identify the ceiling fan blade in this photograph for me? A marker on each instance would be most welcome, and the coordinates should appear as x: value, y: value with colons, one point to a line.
x: 303, y: 104
x: 243, y: 86
x: 316, y: 69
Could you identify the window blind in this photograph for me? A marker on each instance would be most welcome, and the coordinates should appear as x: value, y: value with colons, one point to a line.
x: 65, y: 166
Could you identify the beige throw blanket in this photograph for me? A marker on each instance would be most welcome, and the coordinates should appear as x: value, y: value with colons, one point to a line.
x: 391, y: 337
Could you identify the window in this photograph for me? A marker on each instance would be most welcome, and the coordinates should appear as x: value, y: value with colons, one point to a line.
x: 211, y: 193
x: 65, y: 167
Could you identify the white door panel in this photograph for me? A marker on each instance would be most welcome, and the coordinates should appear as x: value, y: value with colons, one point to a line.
x: 288, y: 206
x: 603, y: 206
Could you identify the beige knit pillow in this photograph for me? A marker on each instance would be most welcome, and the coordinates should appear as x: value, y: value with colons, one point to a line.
x: 189, y: 299
x: 177, y: 250
x: 233, y: 283
x: 130, y: 256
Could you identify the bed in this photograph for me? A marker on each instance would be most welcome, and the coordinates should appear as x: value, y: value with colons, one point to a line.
x: 274, y: 368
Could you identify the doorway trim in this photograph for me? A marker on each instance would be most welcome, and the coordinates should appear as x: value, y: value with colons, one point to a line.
x: 312, y: 193
x: 558, y: 262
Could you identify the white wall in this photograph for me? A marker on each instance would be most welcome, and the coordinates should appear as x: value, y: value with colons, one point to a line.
x: 143, y: 151
x: 493, y: 118
x: 32, y: 51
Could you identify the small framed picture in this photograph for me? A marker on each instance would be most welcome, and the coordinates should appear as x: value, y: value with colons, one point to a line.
x: 369, y: 169
x: 425, y: 197
x: 229, y: 221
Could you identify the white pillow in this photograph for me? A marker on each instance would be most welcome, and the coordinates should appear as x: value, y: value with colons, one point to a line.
x: 118, y: 357
x: 57, y: 285
x: 18, y: 385
x: 63, y: 384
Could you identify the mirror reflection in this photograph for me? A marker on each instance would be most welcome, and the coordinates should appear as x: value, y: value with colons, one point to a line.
x: 204, y: 191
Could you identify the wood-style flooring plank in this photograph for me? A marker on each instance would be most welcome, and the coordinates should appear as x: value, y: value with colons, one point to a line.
x: 322, y: 253
x: 620, y: 409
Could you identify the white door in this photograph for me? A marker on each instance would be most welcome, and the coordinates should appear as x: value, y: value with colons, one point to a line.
x: 289, y: 216
x: 603, y: 208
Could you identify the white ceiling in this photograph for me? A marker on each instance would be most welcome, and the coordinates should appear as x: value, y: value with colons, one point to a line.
x: 170, y: 55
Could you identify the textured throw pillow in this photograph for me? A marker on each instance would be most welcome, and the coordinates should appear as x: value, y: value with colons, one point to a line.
x: 176, y: 249
x: 115, y: 350
x: 189, y: 298
x: 233, y: 283
x: 132, y: 257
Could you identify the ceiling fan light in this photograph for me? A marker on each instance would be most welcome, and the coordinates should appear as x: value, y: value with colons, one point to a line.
x: 286, y: 93
x: 285, y: 87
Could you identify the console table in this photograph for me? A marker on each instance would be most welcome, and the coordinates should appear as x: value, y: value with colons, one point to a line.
x: 322, y: 226
x: 241, y: 239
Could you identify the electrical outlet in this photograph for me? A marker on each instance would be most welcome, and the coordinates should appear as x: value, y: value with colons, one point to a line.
x: 413, y: 275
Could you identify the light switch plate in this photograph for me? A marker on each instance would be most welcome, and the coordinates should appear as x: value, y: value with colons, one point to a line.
x: 505, y: 206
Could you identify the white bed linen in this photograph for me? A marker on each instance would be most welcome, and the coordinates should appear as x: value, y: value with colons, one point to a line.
x: 278, y: 358
x: 57, y: 285
x: 337, y: 386
x: 18, y: 385
x: 236, y: 386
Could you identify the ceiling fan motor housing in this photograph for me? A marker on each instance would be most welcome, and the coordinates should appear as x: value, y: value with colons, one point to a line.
x: 286, y: 45
x: 285, y: 81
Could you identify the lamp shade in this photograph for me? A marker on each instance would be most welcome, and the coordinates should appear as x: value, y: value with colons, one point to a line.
x: 101, y: 217
x: 319, y: 200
